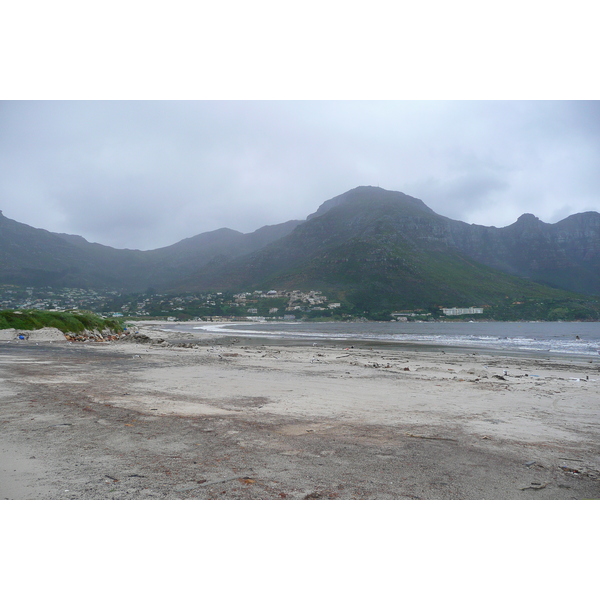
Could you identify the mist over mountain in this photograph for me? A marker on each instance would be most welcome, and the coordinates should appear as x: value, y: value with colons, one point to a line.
x: 367, y: 245
x: 36, y: 257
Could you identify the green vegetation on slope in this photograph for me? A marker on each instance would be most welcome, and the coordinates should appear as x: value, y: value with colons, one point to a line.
x: 386, y: 274
x: 569, y: 309
x: 66, y: 322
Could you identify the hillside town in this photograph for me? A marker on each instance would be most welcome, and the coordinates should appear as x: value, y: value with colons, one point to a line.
x: 272, y: 304
x: 256, y: 304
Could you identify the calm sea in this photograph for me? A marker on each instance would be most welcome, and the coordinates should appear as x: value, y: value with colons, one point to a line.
x: 576, y: 339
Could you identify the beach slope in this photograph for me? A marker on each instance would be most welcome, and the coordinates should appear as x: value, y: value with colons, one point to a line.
x: 168, y: 416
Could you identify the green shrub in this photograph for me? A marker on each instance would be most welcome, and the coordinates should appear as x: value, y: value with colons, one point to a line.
x: 64, y: 321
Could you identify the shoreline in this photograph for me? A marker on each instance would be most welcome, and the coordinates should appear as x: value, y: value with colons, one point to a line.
x: 230, y: 417
x: 409, y: 346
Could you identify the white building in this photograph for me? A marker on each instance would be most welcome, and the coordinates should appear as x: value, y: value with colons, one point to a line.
x: 453, y: 312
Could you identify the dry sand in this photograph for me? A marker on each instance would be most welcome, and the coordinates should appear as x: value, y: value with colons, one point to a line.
x: 230, y: 418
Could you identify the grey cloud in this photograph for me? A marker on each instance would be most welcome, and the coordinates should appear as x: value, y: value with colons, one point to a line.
x: 147, y: 174
x: 463, y: 194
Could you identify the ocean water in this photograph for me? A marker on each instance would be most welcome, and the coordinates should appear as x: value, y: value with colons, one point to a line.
x: 576, y: 339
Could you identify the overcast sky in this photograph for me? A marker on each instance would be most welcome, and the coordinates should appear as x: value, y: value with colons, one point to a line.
x: 147, y: 174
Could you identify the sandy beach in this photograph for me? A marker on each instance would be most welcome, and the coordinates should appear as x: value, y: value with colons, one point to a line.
x: 167, y: 415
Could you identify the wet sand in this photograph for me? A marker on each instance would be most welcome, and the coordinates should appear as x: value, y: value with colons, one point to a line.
x: 234, y: 418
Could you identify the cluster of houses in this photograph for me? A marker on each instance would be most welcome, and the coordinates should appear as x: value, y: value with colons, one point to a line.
x: 275, y: 304
x: 271, y: 303
x: 448, y: 312
x: 30, y: 298
x: 294, y: 301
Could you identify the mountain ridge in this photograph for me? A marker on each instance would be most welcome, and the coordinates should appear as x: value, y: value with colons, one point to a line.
x: 368, y: 237
x: 381, y: 252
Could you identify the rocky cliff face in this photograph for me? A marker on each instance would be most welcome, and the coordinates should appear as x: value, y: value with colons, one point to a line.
x: 564, y: 255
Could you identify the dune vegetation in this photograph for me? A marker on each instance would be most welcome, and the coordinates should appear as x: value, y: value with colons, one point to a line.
x: 67, y: 322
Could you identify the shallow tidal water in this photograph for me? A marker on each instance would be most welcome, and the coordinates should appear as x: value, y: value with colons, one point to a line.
x: 578, y: 339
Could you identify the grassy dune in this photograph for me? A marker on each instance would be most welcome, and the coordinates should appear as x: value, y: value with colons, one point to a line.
x: 67, y: 322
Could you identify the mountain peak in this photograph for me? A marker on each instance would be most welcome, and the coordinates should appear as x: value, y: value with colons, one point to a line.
x: 368, y: 194
x: 528, y: 218
x: 526, y: 221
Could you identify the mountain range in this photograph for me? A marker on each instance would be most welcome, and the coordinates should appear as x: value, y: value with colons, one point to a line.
x: 366, y: 245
